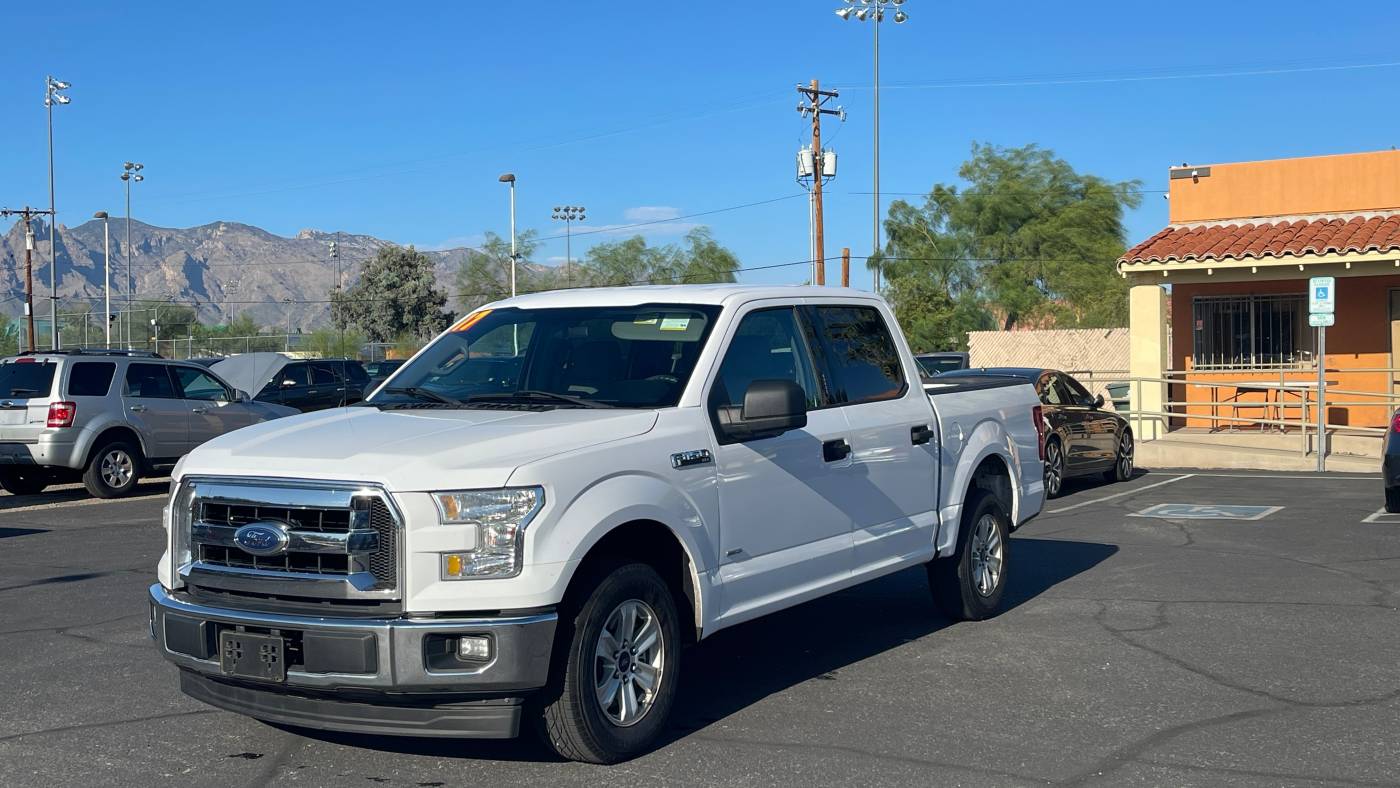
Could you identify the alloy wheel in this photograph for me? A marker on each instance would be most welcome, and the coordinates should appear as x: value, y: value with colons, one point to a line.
x: 117, y: 469
x: 1053, y: 472
x: 986, y: 555
x: 1125, y: 456
x: 628, y: 662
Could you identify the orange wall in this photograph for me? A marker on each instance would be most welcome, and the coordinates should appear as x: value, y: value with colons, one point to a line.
x: 1284, y: 187
x: 1359, y: 340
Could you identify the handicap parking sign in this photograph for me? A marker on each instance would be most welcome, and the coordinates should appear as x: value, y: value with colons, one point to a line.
x: 1322, y: 295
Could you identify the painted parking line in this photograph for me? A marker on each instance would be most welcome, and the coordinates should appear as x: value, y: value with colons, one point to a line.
x: 1133, y: 491
x: 1197, y: 511
x: 1382, y: 516
x: 1313, y: 478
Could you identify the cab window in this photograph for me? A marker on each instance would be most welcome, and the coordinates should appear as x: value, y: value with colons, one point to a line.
x: 859, y: 352
x: 768, y: 345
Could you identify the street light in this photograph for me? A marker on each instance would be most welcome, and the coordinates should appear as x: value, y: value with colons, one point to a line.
x: 52, y: 97
x: 106, y: 273
x: 131, y: 171
x: 510, y: 178
x: 287, y: 345
x: 874, y: 10
x: 568, y: 214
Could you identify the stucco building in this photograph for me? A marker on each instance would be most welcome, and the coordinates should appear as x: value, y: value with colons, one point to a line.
x: 1235, y: 260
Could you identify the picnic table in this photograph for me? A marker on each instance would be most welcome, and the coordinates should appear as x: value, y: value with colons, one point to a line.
x: 1273, y: 402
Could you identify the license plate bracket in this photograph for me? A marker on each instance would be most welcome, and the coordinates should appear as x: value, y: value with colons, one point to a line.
x: 253, y: 656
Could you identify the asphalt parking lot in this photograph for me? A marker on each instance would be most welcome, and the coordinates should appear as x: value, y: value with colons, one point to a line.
x: 1176, y: 649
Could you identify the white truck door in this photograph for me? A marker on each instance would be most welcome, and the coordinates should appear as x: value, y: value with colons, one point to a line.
x: 891, y: 433
x: 780, y: 533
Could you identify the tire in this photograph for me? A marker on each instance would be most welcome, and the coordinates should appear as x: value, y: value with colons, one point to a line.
x: 1392, y: 500
x: 1122, y: 469
x: 575, y: 721
x: 961, y: 587
x: 1054, y: 468
x: 24, y: 482
x: 113, y: 470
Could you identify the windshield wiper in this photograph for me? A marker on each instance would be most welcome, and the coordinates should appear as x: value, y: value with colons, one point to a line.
x: 544, y: 395
x: 421, y: 393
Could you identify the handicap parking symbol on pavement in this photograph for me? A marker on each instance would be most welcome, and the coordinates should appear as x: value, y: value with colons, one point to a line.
x: 1196, y: 511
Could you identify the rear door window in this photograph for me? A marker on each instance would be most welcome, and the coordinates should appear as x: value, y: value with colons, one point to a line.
x: 25, y: 379
x: 323, y: 375
x: 149, y: 381
x: 859, y: 352
x: 91, y: 378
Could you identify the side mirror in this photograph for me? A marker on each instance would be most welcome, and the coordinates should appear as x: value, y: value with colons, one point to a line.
x: 1098, y: 401
x: 771, y: 407
x: 239, y: 395
x: 288, y: 382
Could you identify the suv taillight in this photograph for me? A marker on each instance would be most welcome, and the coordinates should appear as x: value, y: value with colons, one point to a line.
x: 1037, y: 415
x: 1395, y: 422
x: 61, y: 413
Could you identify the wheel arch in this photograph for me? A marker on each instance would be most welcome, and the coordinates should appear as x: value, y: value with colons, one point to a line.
x: 657, y: 545
x: 987, y: 464
x: 113, y: 432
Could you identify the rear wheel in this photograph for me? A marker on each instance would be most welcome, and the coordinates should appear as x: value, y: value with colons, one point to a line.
x: 24, y: 482
x: 1122, y: 469
x: 616, y: 669
x: 113, y: 470
x: 1054, y: 468
x: 1392, y: 500
x: 968, y: 585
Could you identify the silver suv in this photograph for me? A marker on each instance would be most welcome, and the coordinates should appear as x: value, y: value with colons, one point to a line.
x: 109, y: 417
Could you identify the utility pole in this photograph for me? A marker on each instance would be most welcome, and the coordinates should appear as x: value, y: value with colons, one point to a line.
x: 28, y: 214
x: 817, y: 164
x: 846, y: 266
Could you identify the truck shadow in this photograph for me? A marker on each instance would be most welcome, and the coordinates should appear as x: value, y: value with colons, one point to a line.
x: 815, y: 641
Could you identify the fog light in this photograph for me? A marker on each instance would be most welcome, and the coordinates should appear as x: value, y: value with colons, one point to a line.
x: 474, y: 648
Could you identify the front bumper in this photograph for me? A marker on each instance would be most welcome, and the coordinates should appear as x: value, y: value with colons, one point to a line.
x: 369, y: 675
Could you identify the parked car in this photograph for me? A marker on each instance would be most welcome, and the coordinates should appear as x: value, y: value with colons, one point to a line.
x: 1082, y: 438
x: 109, y: 417
x: 379, y: 371
x: 1390, y: 465
x: 306, y: 385
x: 600, y: 476
x: 937, y: 363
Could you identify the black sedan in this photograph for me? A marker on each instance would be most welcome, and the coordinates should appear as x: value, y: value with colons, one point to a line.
x: 1082, y: 437
x: 1390, y: 465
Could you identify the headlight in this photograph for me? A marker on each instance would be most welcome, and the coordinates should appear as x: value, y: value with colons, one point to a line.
x: 500, y: 517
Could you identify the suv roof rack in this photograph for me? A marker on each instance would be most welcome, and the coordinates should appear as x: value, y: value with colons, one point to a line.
x: 94, y: 351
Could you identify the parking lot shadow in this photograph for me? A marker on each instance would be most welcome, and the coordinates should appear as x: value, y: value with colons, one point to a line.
x: 740, y: 666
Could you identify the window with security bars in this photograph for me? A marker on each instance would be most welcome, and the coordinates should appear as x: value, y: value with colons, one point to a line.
x: 1251, y: 331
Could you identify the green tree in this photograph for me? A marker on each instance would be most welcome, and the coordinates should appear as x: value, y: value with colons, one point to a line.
x: 484, y: 276
x: 9, y: 335
x: 330, y: 342
x: 1029, y: 237
x: 699, y: 259
x: 397, y: 293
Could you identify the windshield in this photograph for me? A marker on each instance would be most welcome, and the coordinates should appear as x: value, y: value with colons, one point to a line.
x: 626, y: 357
x: 26, y: 379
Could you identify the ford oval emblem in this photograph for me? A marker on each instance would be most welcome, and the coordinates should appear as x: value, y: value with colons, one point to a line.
x: 261, y: 538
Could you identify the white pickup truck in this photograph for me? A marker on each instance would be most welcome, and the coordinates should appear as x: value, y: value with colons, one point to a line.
x: 532, y: 517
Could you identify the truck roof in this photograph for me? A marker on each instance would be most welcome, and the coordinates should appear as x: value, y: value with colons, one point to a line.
x: 675, y: 294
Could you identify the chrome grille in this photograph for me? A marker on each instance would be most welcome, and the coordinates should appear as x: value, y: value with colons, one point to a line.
x: 338, y: 541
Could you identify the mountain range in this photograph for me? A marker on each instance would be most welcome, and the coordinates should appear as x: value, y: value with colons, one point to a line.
x: 222, y: 269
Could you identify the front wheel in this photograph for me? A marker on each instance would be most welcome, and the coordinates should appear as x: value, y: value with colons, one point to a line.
x: 23, y: 482
x: 968, y: 585
x: 615, y: 679
x: 1122, y: 469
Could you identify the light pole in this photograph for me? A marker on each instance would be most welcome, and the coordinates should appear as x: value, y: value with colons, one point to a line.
x: 106, y: 274
x: 131, y: 171
x: 52, y: 97
x: 568, y: 214
x: 287, y: 345
x: 510, y: 179
x: 874, y: 11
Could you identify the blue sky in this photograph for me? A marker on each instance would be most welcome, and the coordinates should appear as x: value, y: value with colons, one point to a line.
x: 395, y: 120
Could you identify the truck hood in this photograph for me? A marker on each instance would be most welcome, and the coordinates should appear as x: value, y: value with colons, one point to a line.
x: 411, y: 450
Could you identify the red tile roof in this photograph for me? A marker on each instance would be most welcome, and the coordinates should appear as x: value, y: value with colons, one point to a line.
x: 1284, y: 238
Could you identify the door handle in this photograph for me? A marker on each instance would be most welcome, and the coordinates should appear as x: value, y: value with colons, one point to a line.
x: 920, y: 435
x: 311, y: 391
x: 834, y: 450
x: 138, y: 408
x: 199, y: 411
